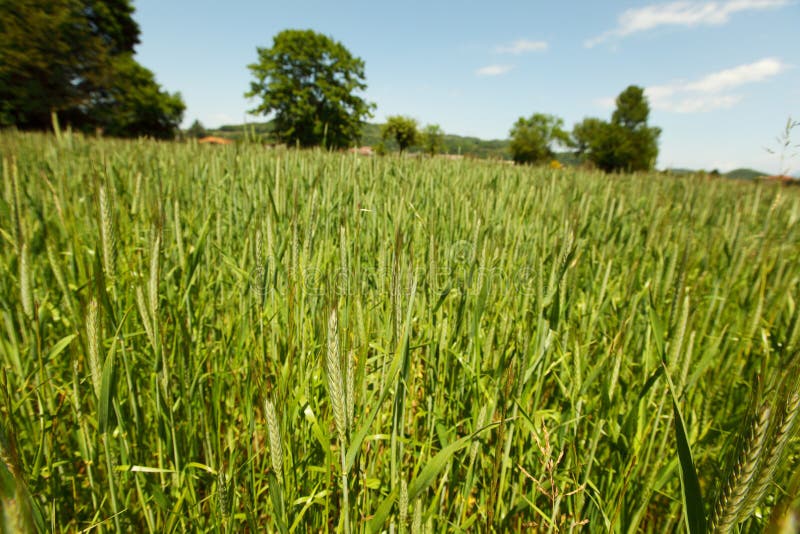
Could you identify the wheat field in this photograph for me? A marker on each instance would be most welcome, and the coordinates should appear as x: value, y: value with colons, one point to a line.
x: 242, y: 339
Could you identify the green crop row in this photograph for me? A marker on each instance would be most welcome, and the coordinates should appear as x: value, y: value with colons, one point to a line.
x: 235, y: 339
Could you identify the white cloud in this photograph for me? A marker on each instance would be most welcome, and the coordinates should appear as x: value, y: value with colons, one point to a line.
x: 707, y: 93
x: 680, y: 13
x: 729, y: 78
x: 520, y: 46
x: 698, y: 104
x: 493, y: 70
x: 607, y: 102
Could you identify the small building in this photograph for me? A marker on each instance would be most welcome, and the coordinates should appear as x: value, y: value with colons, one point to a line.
x: 212, y: 140
x: 362, y: 150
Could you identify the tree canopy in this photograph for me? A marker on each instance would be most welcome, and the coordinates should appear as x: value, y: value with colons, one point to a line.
x: 75, y: 58
x: 626, y: 143
x: 309, y: 82
x: 132, y: 104
x: 584, y: 133
x: 632, y: 108
x: 197, y: 130
x: 402, y: 129
x: 432, y: 139
x: 533, y: 139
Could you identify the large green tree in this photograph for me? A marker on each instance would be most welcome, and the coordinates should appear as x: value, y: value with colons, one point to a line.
x: 310, y: 84
x: 75, y: 58
x: 533, y: 139
x: 402, y: 129
x: 626, y: 143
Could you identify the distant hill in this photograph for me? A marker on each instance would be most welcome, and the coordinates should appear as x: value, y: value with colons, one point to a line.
x: 745, y: 174
x: 679, y: 171
x: 736, y: 174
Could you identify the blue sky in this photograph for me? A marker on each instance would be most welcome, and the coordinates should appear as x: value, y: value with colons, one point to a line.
x: 722, y: 77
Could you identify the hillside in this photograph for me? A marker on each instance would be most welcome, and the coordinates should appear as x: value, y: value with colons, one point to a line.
x: 736, y: 174
x: 745, y: 174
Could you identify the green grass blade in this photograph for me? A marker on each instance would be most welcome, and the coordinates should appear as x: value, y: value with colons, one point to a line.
x: 693, y: 504
x: 692, y: 495
x: 107, y: 387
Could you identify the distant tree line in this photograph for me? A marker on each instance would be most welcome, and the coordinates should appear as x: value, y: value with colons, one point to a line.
x: 405, y: 133
x: 75, y: 58
x: 626, y: 143
x: 309, y: 83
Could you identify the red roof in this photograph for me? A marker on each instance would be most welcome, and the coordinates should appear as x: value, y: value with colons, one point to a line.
x: 211, y: 140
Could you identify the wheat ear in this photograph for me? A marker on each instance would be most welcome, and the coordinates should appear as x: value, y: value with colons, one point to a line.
x: 107, y: 234
x: 731, y: 501
x: 333, y: 366
x: 780, y: 433
x: 93, y: 342
x: 275, y: 451
x: 336, y: 389
x: 26, y: 293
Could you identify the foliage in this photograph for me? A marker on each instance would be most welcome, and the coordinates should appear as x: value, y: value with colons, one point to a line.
x: 402, y: 129
x: 632, y: 109
x: 133, y: 104
x: 533, y: 139
x: 432, y: 139
x: 75, y: 57
x: 618, y: 149
x: 624, y: 144
x: 639, y: 149
x: 452, y: 144
x: 585, y: 133
x: 51, y: 60
x: 196, y: 130
x: 504, y: 335
x: 309, y: 82
x: 380, y: 149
